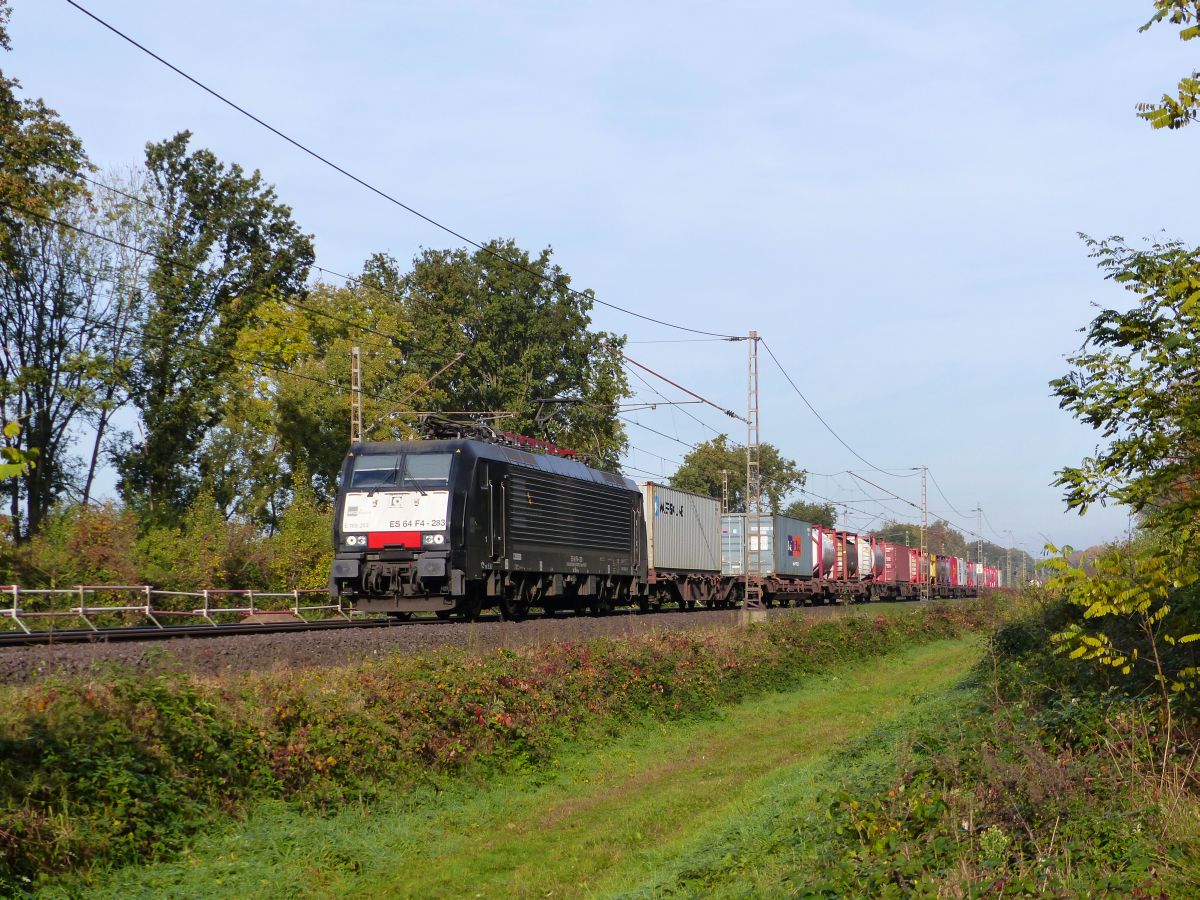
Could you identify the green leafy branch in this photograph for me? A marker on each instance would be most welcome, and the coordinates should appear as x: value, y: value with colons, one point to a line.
x: 1126, y: 589
x: 1182, y: 109
x: 16, y: 462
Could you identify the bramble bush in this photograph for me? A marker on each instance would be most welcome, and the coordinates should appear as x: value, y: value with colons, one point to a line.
x: 93, y: 544
x: 107, y: 771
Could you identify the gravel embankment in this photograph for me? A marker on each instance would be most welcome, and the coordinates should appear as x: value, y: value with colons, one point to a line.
x: 258, y: 652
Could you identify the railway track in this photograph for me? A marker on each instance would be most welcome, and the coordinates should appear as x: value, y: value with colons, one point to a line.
x: 248, y: 648
x: 153, y: 633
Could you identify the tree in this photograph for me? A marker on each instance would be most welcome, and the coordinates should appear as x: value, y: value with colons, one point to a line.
x: 702, y: 467
x: 497, y: 338
x: 56, y: 317
x: 41, y: 286
x: 813, y: 513
x: 1181, y: 109
x: 127, y: 224
x: 39, y: 157
x: 301, y: 552
x: 1134, y: 381
x: 287, y: 406
x: 525, y: 339
x: 82, y: 545
x: 223, y: 246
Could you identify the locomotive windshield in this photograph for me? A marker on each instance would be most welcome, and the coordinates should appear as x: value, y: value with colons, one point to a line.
x: 402, y: 471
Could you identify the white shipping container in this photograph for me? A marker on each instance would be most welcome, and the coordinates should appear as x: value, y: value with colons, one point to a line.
x: 683, y: 530
x: 866, y: 557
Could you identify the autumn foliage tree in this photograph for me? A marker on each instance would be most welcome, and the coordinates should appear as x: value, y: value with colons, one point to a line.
x: 223, y: 246
x: 702, y: 468
x: 1135, y: 382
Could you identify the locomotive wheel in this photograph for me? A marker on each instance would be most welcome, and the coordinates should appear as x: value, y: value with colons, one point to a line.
x: 470, y: 609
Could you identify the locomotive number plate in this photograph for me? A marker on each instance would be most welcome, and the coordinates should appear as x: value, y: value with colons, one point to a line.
x: 396, y: 511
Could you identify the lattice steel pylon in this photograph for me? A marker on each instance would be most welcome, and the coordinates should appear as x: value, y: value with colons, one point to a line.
x: 356, y: 417
x: 753, y: 529
x: 979, y: 531
x: 928, y: 573
x: 724, y: 491
x: 1008, y: 561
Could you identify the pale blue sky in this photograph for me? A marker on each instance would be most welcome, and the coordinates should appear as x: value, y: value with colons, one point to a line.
x: 889, y: 193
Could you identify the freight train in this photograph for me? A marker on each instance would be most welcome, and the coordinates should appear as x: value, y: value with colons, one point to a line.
x: 459, y: 525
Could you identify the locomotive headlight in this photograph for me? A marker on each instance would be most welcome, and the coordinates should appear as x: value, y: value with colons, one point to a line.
x: 431, y: 540
x: 356, y: 540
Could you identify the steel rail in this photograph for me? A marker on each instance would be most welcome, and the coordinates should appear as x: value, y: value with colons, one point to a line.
x: 147, y: 633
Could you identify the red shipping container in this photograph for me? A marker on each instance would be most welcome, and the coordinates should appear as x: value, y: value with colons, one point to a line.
x: 892, y: 562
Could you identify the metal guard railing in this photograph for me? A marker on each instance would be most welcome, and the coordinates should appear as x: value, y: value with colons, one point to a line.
x: 157, y: 605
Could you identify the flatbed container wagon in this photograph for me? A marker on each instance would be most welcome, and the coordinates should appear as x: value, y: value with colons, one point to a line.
x: 782, y: 553
x: 683, y: 548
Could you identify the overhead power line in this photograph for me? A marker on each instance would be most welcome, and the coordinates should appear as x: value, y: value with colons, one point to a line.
x: 79, y: 229
x: 130, y: 329
x: 674, y: 384
x: 379, y: 191
x: 989, y: 524
x: 638, y: 375
x: 969, y: 531
x: 957, y: 511
x: 821, y: 418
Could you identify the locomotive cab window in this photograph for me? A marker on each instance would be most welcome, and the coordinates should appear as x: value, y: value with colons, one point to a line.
x: 402, y: 471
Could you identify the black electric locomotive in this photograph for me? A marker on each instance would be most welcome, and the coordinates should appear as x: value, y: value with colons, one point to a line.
x: 460, y: 525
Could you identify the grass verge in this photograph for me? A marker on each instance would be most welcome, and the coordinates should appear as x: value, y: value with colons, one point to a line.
x: 604, y: 821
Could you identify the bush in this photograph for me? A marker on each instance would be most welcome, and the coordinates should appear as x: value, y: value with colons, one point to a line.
x: 208, y: 551
x: 81, y: 545
x: 1015, y: 800
x: 301, y: 553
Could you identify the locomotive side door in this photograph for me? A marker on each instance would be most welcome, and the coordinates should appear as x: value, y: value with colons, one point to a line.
x: 494, y: 540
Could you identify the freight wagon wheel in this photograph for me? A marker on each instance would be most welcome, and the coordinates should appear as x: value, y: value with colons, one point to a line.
x: 400, y: 616
x: 514, y: 609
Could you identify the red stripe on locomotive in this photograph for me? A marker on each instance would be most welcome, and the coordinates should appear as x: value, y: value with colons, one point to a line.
x: 377, y: 540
